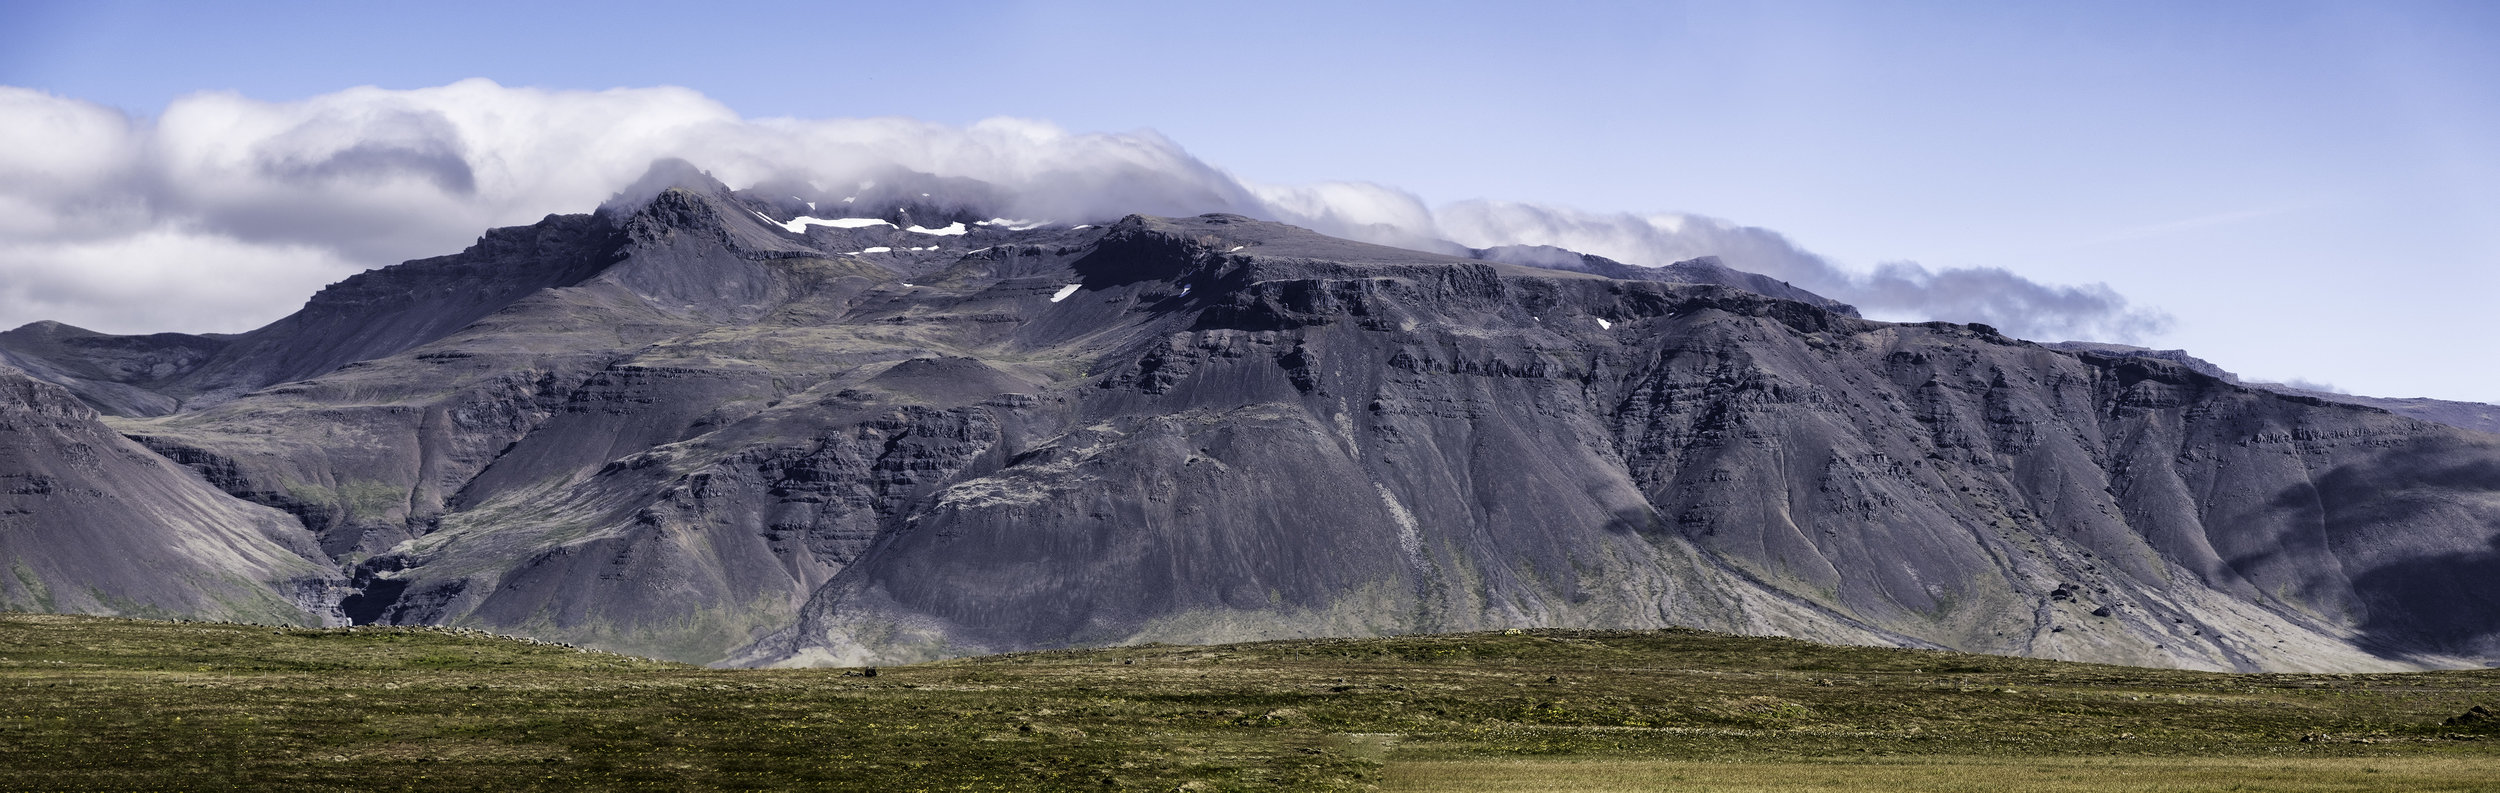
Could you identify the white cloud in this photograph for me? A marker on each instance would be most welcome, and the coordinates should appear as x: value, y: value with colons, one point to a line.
x: 225, y: 212
x: 162, y: 278
x: 1357, y: 210
x: 1896, y: 290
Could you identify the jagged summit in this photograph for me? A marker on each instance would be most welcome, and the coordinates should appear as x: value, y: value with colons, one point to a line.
x: 665, y: 174
x: 729, y: 427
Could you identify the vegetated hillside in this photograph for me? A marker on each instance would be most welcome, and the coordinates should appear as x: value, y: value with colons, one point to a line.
x: 690, y: 429
x: 124, y: 704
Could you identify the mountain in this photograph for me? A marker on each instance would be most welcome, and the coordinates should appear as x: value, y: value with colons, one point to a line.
x: 701, y: 425
x: 91, y: 522
x: 2475, y: 416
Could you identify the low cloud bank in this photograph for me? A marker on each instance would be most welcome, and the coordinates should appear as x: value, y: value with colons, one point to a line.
x: 224, y: 212
x: 1894, y: 290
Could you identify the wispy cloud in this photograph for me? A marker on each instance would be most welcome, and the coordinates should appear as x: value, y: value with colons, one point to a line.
x: 1893, y: 290
x: 2187, y: 224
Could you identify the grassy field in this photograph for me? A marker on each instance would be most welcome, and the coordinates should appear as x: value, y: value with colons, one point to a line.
x: 122, y: 704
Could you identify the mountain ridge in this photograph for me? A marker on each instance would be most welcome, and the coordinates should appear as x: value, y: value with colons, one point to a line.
x: 682, y: 428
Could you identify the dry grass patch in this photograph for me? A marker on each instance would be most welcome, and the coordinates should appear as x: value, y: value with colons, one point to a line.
x: 90, y: 704
x: 1952, y: 775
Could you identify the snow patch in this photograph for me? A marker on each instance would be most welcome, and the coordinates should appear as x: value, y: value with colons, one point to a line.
x: 1014, y: 225
x: 994, y: 491
x: 1237, y: 248
x: 1602, y: 323
x: 1083, y: 227
x: 952, y: 230
x: 878, y: 249
x: 1064, y: 292
x: 798, y: 225
x: 842, y: 223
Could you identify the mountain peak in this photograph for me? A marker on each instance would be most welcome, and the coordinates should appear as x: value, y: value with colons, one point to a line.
x: 664, y: 175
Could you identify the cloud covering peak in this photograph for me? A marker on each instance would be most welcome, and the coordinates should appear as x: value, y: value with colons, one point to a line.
x: 224, y: 212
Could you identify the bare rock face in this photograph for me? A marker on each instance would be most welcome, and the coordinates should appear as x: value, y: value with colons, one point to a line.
x: 92, y: 523
x: 682, y: 428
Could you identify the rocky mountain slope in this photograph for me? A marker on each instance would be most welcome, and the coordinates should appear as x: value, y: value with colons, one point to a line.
x: 91, y: 522
x: 2474, y: 416
x: 709, y: 427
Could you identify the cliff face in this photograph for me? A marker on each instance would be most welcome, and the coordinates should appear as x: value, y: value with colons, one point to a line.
x: 688, y: 431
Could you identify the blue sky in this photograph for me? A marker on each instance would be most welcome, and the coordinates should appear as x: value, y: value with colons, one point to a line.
x: 2308, y: 190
